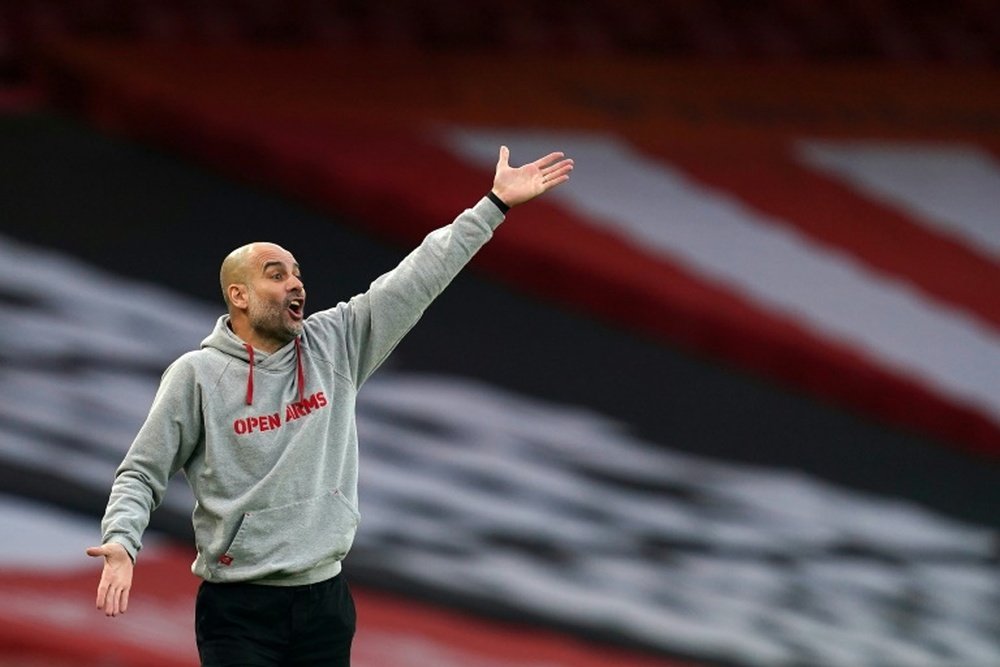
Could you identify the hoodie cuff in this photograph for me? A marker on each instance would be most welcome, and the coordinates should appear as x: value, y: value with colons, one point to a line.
x: 487, y: 211
x: 130, y: 549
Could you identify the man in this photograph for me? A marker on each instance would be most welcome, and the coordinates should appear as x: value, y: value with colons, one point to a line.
x: 261, y: 420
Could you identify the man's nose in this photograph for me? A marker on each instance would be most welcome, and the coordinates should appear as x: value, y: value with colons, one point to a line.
x: 295, y: 283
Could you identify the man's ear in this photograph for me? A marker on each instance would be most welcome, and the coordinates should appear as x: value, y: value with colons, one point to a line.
x: 237, y: 295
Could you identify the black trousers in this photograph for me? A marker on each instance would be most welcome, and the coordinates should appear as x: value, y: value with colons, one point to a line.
x: 249, y: 625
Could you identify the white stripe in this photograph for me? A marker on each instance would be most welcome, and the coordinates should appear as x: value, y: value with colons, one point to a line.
x: 725, y: 242
x: 954, y: 189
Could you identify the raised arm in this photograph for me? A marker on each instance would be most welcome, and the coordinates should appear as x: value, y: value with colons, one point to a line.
x: 374, y: 322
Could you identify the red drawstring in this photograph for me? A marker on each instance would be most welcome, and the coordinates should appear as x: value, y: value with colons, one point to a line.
x: 249, y: 348
x: 301, y: 375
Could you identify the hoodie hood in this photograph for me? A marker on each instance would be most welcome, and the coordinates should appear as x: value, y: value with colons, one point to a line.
x: 224, y: 340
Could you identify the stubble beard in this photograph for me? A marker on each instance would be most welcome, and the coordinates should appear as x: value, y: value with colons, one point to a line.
x: 269, y: 320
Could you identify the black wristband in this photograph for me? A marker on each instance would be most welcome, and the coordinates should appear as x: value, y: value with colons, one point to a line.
x: 499, y: 202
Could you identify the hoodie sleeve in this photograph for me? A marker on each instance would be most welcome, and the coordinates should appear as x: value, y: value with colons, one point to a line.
x: 377, y: 320
x: 166, y: 440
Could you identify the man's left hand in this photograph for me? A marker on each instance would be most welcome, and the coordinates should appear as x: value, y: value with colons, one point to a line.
x: 517, y: 185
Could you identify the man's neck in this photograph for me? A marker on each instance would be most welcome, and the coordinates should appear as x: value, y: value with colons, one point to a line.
x: 248, y: 334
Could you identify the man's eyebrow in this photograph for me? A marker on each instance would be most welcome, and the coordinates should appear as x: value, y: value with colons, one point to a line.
x: 276, y: 262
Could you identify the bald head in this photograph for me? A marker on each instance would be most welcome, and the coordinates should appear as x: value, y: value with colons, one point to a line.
x: 264, y: 294
x: 238, y: 266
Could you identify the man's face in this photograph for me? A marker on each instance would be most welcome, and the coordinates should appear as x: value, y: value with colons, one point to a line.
x: 276, y: 297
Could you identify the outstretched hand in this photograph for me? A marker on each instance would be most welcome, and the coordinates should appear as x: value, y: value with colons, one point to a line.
x: 517, y: 185
x: 116, y: 579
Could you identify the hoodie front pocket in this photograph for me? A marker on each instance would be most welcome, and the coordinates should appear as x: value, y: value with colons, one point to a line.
x: 289, y: 539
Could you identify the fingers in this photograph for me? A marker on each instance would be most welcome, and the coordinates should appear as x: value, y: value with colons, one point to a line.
x: 553, y: 160
x: 548, y: 160
x: 102, y: 594
x: 109, y: 599
x: 109, y: 603
x: 557, y: 170
x: 557, y: 175
x: 113, y: 600
x: 548, y: 185
x: 116, y: 579
x: 504, y: 159
x: 556, y: 181
x: 116, y: 602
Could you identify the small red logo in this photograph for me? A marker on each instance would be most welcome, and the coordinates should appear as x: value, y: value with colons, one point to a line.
x: 226, y: 559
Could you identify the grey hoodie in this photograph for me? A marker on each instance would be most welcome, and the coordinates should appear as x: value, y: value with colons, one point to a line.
x: 268, y: 442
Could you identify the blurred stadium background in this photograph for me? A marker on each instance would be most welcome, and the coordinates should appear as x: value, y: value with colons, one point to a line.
x: 730, y: 398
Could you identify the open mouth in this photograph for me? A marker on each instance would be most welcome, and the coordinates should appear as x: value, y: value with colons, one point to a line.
x: 295, y: 308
